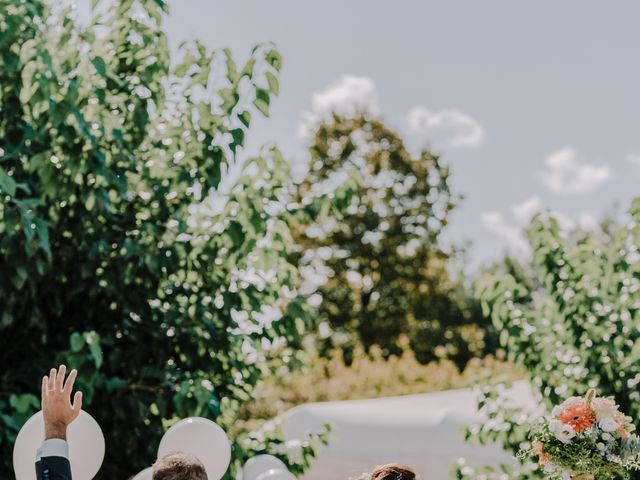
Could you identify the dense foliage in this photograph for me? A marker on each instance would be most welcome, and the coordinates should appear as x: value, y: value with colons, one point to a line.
x: 121, y: 253
x: 382, y: 269
x: 579, y: 330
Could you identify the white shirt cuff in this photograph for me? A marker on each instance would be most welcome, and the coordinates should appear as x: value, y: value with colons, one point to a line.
x: 54, y: 447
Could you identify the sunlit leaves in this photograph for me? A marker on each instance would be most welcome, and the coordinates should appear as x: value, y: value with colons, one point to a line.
x: 262, y: 101
x: 274, y: 58
x: 381, y: 267
x: 120, y: 253
x: 7, y: 184
x: 274, y: 86
x: 578, y: 328
x: 100, y: 66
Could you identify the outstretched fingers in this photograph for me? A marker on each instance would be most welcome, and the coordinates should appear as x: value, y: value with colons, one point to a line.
x: 45, y: 387
x: 60, y: 377
x: 68, y: 385
x: 52, y: 379
x: 77, y: 403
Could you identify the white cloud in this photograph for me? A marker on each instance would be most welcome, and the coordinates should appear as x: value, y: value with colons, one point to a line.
x: 450, y: 128
x: 634, y: 159
x: 525, y: 211
x: 512, y: 234
x: 585, y: 220
x: 511, y: 230
x: 565, y: 174
x: 588, y: 221
x: 349, y: 96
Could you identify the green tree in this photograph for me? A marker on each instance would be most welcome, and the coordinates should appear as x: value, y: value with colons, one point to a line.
x: 577, y: 329
x: 383, y: 273
x: 120, y: 252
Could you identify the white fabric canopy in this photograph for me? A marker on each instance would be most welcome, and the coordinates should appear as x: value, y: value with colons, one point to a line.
x: 424, y: 431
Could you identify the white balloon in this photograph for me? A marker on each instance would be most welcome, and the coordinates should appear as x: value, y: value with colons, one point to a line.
x: 256, y: 466
x: 276, y: 474
x: 146, y: 474
x: 86, y: 447
x: 201, y: 438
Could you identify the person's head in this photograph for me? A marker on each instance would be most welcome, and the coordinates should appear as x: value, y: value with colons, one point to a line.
x: 393, y: 471
x: 179, y: 466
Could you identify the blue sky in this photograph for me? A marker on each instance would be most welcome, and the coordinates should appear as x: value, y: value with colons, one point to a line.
x: 534, y: 105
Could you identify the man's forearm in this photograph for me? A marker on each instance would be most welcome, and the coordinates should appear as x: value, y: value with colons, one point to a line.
x: 58, y: 412
x: 52, y: 431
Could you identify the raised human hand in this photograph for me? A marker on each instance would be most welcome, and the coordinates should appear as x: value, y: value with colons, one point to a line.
x: 57, y: 409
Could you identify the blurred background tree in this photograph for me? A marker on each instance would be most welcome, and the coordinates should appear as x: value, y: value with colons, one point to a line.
x: 577, y: 329
x: 128, y: 250
x: 381, y: 268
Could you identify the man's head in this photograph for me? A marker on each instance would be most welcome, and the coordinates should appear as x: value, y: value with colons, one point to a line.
x: 393, y: 471
x: 179, y: 466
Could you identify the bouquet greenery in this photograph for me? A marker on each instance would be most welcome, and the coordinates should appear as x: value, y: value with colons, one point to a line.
x: 586, y: 439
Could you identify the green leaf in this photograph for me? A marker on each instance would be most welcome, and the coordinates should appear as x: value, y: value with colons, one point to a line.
x: 29, y: 82
x: 238, y: 137
x: 247, y: 71
x: 96, y: 352
x: 42, y: 231
x: 115, y: 383
x: 163, y: 5
x: 232, y: 71
x: 117, y: 135
x: 24, y: 187
x: 100, y: 66
x: 274, y: 58
x: 245, y: 118
x: 7, y: 319
x: 274, y: 86
x: 77, y: 342
x: 91, y: 201
x: 262, y: 101
x: 7, y: 184
x: 262, y: 106
x: 23, y: 403
x: 20, y: 277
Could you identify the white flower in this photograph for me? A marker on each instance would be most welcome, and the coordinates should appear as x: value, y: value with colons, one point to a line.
x: 569, y: 402
x: 606, y: 436
x: 608, y: 425
x: 267, y: 315
x: 562, y: 431
x: 572, y: 402
x: 250, y: 353
x: 614, y: 458
x: 600, y: 446
x: 604, y: 407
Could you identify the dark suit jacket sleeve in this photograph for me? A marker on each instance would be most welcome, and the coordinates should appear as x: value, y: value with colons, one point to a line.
x: 38, y: 470
x: 55, y: 468
x: 52, y: 460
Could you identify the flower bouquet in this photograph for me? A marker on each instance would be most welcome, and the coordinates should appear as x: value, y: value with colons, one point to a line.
x: 586, y: 439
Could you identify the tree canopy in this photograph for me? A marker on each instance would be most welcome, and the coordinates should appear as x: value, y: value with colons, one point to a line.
x: 382, y: 268
x: 577, y: 329
x: 122, y: 253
